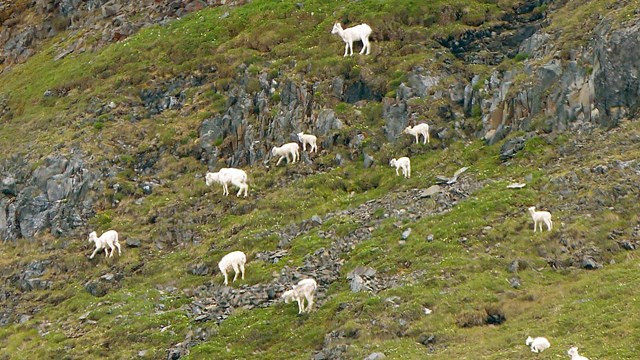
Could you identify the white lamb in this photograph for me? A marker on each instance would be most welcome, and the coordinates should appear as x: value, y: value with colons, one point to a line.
x: 420, y: 129
x: 234, y: 260
x: 402, y: 163
x: 357, y: 33
x: 285, y: 150
x: 308, y: 139
x: 538, y: 344
x: 539, y: 217
x: 226, y: 176
x: 108, y: 238
x: 573, y: 353
x: 305, y: 289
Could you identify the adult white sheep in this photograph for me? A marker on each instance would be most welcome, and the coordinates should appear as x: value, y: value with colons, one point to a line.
x: 234, y: 260
x: 108, y: 238
x: 226, y: 176
x: 402, y: 163
x: 305, y: 289
x: 540, y: 217
x: 286, y: 150
x: 308, y: 139
x: 538, y: 344
x: 573, y: 353
x: 420, y: 129
x: 357, y: 33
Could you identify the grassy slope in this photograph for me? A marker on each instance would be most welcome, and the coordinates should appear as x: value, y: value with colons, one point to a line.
x: 571, y: 306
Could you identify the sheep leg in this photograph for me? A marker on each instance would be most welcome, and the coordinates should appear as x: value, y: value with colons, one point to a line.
x: 549, y: 225
x: 226, y: 280
x: 236, y: 272
x: 304, y: 146
x: 280, y: 160
x: 300, y: 305
x: 397, y: 172
x: 417, y: 138
x: 225, y: 189
x: 408, y: 172
x: 428, y: 137
x: 346, y: 48
x: 117, y: 244
x: 368, y: 45
x: 94, y: 253
x: 535, y: 224
x: 111, y: 247
x: 309, y: 301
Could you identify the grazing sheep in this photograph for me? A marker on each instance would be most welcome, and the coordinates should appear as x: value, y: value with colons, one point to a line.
x: 573, y: 353
x: 234, y: 260
x: 226, y: 176
x: 357, y: 33
x: 538, y: 344
x: 285, y: 150
x: 420, y: 129
x: 403, y: 163
x: 308, y: 139
x: 108, y: 238
x: 540, y: 217
x: 305, y: 289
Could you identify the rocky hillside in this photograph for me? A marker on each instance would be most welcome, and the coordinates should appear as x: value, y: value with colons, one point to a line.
x: 113, y: 111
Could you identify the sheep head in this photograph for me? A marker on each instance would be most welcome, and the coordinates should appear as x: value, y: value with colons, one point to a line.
x: 392, y: 162
x: 210, y: 178
x: 573, y: 351
x: 336, y: 28
x: 528, y: 341
x: 93, y: 236
x: 532, y: 209
x: 407, y: 130
x: 300, y: 135
x: 287, y: 296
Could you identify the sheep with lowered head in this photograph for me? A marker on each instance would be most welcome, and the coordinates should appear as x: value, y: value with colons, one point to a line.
x: 573, y: 353
x: 108, y: 238
x: 356, y: 33
x: 234, y: 260
x: 305, y: 289
x: 402, y: 163
x: 226, y: 176
x: 286, y: 150
x: 420, y: 129
x: 538, y: 344
x: 539, y: 217
x: 308, y: 139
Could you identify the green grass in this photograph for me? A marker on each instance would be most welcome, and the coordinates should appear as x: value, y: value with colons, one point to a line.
x: 459, y: 274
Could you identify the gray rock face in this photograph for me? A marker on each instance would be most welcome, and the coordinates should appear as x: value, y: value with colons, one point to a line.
x: 55, y: 196
x: 396, y: 118
x: 615, y: 72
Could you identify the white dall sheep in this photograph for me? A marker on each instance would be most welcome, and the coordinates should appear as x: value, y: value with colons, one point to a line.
x: 420, y: 129
x: 308, y: 139
x: 234, y: 260
x: 539, y: 217
x: 285, y: 150
x: 573, y: 353
x: 226, y: 176
x: 402, y: 163
x: 538, y: 344
x: 357, y: 33
x: 305, y: 289
x: 108, y: 238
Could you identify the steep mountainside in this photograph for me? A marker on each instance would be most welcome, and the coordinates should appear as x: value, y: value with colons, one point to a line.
x: 112, y: 112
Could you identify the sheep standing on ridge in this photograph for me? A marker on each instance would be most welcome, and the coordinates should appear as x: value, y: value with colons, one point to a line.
x: 538, y: 344
x: 234, y: 260
x: 357, y: 33
x: 226, y: 176
x: 420, y: 129
x: 402, y: 163
x: 308, y: 139
x: 285, y: 150
x: 573, y: 353
x: 305, y: 289
x: 108, y: 238
x: 539, y: 217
